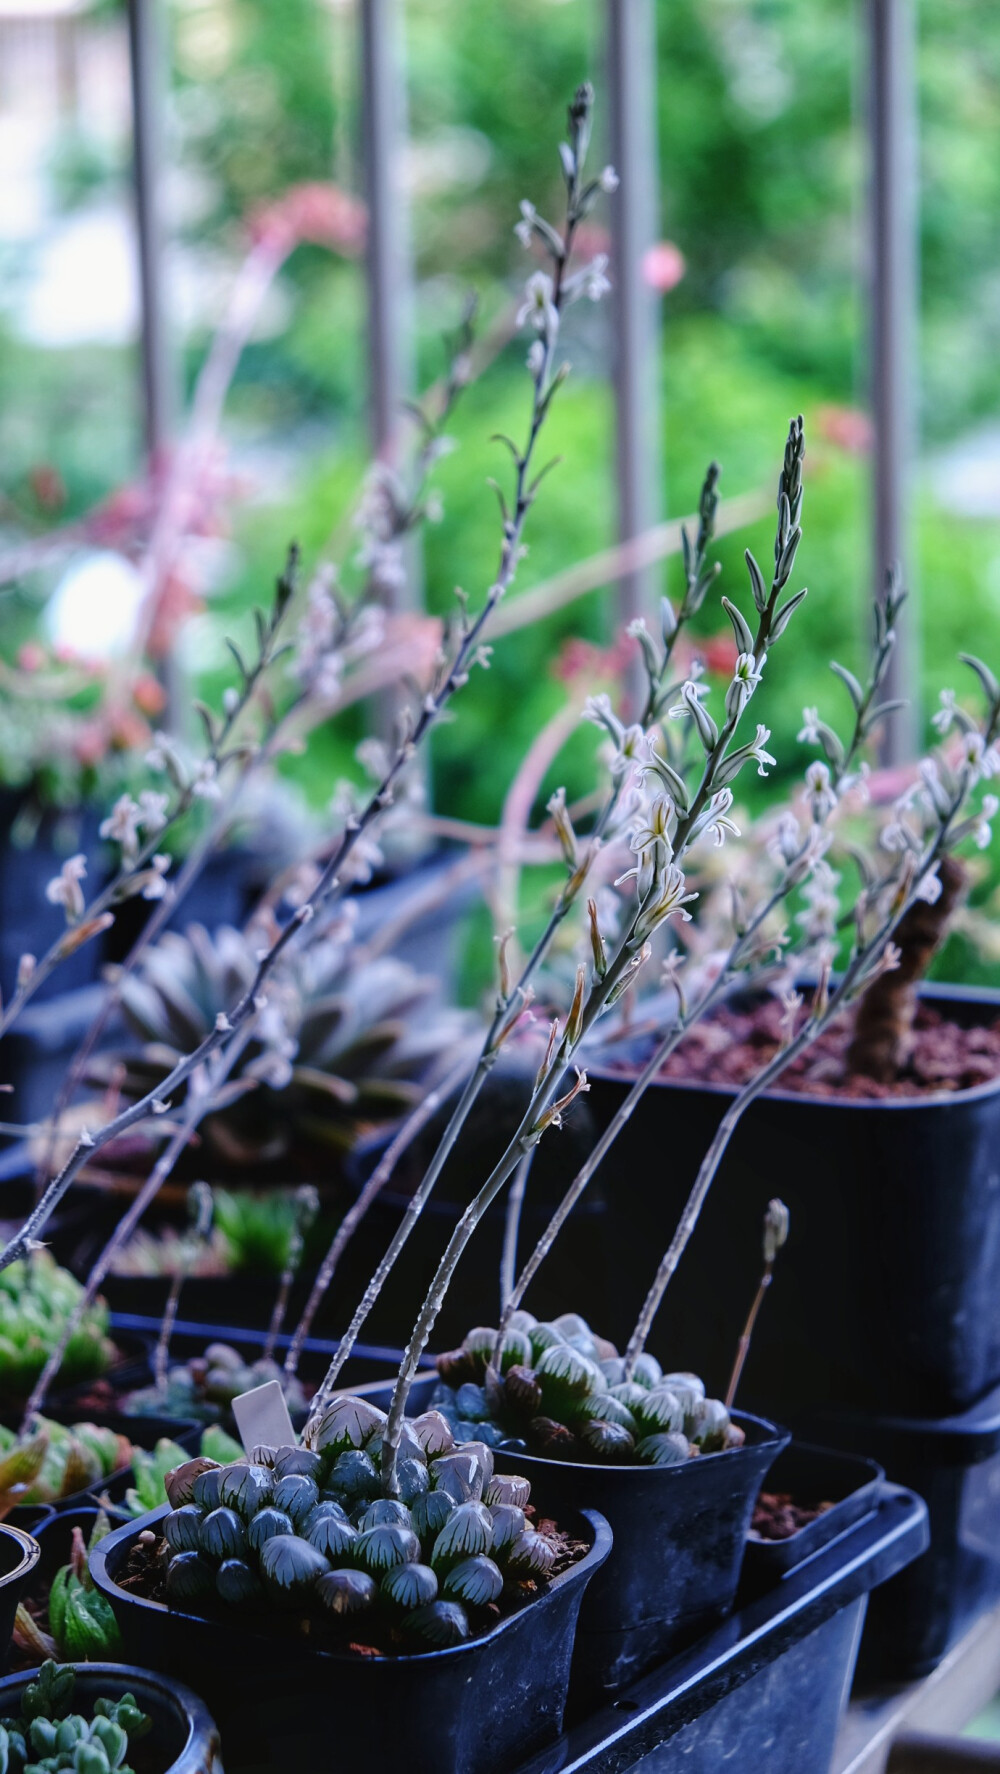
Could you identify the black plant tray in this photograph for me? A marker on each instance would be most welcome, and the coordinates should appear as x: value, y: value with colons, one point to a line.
x: 765, y: 1690
x: 811, y: 1475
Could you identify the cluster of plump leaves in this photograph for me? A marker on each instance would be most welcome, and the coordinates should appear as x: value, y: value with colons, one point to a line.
x: 47, y: 1737
x: 205, y: 1386
x: 149, y: 1470
x: 37, y: 1299
x: 563, y: 1390
x: 55, y: 1460
x: 81, y: 1619
x: 308, y: 1528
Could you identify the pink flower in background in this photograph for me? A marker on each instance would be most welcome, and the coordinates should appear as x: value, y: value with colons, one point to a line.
x: 663, y: 266
x: 31, y: 657
x: 847, y: 427
x: 322, y: 213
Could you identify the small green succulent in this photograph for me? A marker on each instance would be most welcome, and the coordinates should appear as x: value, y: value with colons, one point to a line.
x: 81, y: 1619
x: 36, y: 1300
x: 47, y: 1738
x: 563, y: 1390
x: 54, y: 1460
x: 149, y: 1470
x: 308, y: 1529
x: 204, y: 1387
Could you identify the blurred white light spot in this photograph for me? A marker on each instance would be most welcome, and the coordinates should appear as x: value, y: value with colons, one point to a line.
x: 92, y: 612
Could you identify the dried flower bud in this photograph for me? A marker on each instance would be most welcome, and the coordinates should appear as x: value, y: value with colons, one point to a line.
x: 776, y: 1222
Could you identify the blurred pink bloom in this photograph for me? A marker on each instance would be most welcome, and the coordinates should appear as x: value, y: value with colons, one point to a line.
x: 318, y: 212
x: 31, y: 657
x: 663, y: 266
x: 847, y: 427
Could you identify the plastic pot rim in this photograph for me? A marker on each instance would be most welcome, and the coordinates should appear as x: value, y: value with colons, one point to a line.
x: 594, y: 1557
x: 31, y: 1552
x: 129, y: 1676
x: 772, y: 1432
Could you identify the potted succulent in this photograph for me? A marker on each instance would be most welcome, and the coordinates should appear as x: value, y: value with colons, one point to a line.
x: 446, y: 1605
x: 91, y: 1715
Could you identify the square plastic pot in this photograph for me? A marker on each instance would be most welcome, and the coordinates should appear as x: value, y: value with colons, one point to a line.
x: 849, y: 1483
x: 954, y: 1463
x: 679, y: 1539
x: 765, y: 1692
x: 477, y: 1708
x: 184, y: 1738
x: 886, y: 1296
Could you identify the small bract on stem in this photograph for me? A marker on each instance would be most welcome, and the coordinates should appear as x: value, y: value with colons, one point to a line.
x: 776, y: 1223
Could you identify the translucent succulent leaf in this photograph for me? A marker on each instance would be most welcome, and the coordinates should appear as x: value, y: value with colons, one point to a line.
x: 684, y: 1382
x: 410, y: 1586
x: 522, y: 1321
x: 472, y: 1403
x: 659, y: 1410
x: 669, y: 1449
x: 530, y: 1555
x: 246, y: 1489
x: 465, y: 1474
x: 566, y: 1378
x: 476, y: 1581
x: 347, y: 1592
x: 266, y: 1525
x: 515, y: 1350
x: 647, y: 1371
x: 543, y: 1336
x: 223, y: 1534
x: 429, y: 1513
x: 238, y: 1585
x: 189, y: 1576
x: 467, y: 1532
x: 335, y: 1538
x: 508, y: 1524
x: 297, y: 1496
x: 289, y: 1564
x: 413, y: 1480
x: 711, y: 1421
x: 605, y: 1408
x: 381, y: 1548
x: 206, y: 1489
x: 508, y: 1487
x: 438, y: 1625
x: 353, y: 1475
x: 433, y: 1433
x: 345, y: 1424
x: 384, y: 1511
x: 609, y: 1441
x: 297, y: 1462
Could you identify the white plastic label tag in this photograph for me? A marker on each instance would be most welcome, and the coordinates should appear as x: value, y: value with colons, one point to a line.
x: 262, y: 1418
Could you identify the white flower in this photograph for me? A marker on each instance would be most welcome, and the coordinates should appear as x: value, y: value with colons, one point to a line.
x: 65, y: 890
x: 230, y: 700
x: 757, y: 752
x: 155, y: 885
x: 718, y: 823
x: 153, y: 810
x: 159, y: 751
x: 594, y: 280
x: 666, y: 900
x: 791, y: 1004
x: 690, y: 691
x: 657, y: 829
x: 536, y: 358
x: 929, y: 887
x: 983, y: 833
x: 747, y: 670
x: 122, y: 824
x: 809, y: 731
x: 945, y: 715
x: 599, y: 710
x: 822, y: 910
x: 821, y: 790
x: 981, y: 759
x: 897, y: 836
x: 786, y: 842
x: 205, y: 783
x: 538, y: 308
x: 608, y: 180
x: 524, y: 229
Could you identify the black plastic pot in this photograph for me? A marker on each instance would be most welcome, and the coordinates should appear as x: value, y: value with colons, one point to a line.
x: 954, y: 1463
x: 811, y: 1475
x: 184, y: 1738
x: 679, y: 1536
x: 474, y: 1709
x: 891, y: 1293
x: 764, y: 1693
x: 19, y: 1554
x: 143, y: 1432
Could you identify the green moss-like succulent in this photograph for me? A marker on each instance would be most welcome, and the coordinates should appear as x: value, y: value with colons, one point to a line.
x: 308, y: 1529
x: 36, y: 1300
x: 571, y: 1399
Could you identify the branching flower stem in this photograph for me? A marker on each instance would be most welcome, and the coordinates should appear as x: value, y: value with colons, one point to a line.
x: 824, y: 1009
x: 199, y: 1105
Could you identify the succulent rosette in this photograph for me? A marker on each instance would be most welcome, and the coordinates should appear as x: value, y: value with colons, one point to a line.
x: 561, y: 1390
x: 308, y: 1529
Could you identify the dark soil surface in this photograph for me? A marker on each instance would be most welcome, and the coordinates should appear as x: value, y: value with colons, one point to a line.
x: 144, y: 1574
x: 777, y: 1516
x: 732, y: 1046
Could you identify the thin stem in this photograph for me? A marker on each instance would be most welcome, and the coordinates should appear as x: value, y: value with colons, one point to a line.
x: 743, y: 1346
x: 512, y: 1227
x: 412, y: 1126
